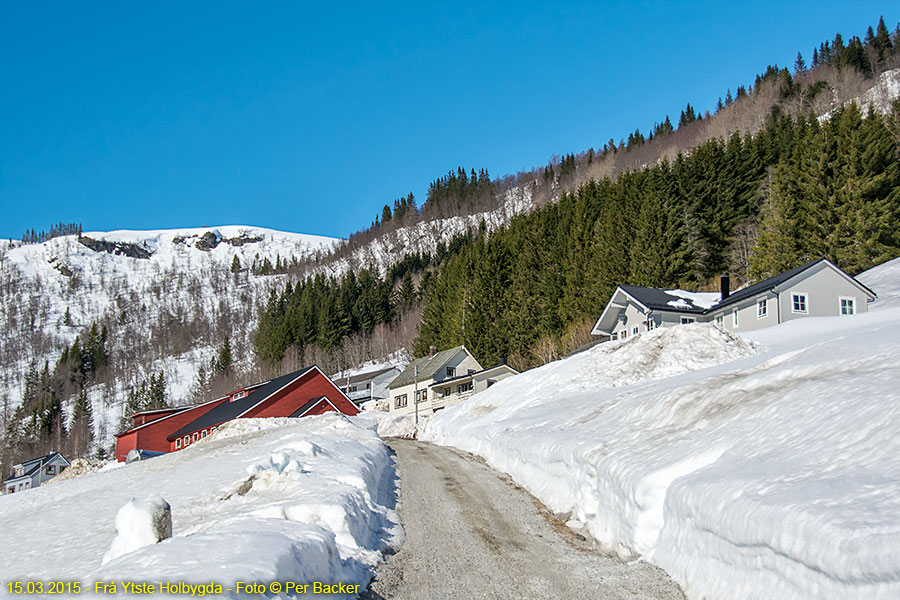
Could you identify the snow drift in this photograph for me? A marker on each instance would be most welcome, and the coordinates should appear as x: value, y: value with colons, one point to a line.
x: 261, y: 500
x: 747, y: 469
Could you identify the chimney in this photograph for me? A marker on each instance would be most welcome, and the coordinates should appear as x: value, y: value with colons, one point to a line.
x: 725, y: 286
x: 432, y: 350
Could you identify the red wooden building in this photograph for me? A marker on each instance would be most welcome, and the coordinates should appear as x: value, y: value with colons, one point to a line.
x: 151, y: 427
x: 305, y: 392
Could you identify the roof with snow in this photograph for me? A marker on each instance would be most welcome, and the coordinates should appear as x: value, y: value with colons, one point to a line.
x: 231, y: 410
x: 704, y: 303
x: 674, y: 300
x: 427, y: 366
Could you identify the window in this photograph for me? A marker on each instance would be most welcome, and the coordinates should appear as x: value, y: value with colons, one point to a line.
x: 734, y: 318
x: 464, y: 387
x: 720, y: 321
x: 400, y: 401
x: 368, y: 385
x: 634, y: 331
x: 451, y: 371
x: 799, y: 303
x: 187, y: 440
x: 51, y: 470
x: 203, y: 434
x: 687, y: 320
x: 196, y: 436
x: 848, y: 306
x: 623, y: 334
x: 211, y: 429
x: 490, y: 382
x: 651, y: 324
x: 470, y: 371
x: 239, y: 395
x: 762, y: 309
x: 178, y: 443
x: 352, y: 388
x: 421, y: 395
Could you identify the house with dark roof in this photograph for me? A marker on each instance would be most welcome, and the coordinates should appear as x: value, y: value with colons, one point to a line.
x: 366, y: 386
x: 441, y: 378
x: 816, y: 289
x: 150, y: 428
x: 301, y: 393
x: 34, y: 472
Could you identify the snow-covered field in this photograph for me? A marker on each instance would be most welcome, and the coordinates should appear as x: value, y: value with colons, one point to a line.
x: 261, y: 500
x: 762, y: 466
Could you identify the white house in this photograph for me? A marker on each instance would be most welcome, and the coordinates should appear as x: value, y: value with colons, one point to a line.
x: 442, y: 378
x: 816, y: 289
x: 32, y: 473
x: 371, y: 385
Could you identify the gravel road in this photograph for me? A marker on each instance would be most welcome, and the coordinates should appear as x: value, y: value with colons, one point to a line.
x: 472, y: 533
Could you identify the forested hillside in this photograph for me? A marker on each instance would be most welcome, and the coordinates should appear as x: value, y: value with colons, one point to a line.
x: 762, y: 184
x: 750, y: 206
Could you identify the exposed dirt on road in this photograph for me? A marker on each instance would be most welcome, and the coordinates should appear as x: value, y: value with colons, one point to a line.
x: 472, y: 533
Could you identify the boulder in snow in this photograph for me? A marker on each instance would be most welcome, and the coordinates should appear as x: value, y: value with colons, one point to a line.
x: 141, y: 522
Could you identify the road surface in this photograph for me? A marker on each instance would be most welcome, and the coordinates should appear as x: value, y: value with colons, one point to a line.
x: 472, y: 533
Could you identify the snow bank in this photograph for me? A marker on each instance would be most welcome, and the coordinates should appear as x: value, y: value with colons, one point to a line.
x: 745, y: 475
x: 395, y: 426
x: 139, y: 523
x: 883, y: 280
x: 259, y: 501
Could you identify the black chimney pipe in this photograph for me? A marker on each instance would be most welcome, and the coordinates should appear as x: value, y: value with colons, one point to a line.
x: 725, y: 286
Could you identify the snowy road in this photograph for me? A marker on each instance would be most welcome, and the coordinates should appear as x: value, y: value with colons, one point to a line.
x: 470, y: 533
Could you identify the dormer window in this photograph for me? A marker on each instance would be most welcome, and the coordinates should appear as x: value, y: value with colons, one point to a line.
x: 451, y: 371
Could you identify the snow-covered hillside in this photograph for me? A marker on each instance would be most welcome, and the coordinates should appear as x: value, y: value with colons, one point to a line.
x: 391, y: 246
x: 261, y: 500
x: 761, y: 466
x: 169, y: 296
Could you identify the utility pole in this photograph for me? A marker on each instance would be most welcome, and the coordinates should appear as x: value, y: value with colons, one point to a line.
x: 416, y: 393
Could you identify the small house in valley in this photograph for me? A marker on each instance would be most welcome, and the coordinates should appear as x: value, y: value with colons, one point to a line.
x: 440, y: 379
x: 34, y: 472
x: 817, y: 289
x: 370, y: 385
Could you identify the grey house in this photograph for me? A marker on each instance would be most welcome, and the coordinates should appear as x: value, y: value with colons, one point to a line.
x: 442, y: 378
x: 816, y: 289
x: 32, y: 473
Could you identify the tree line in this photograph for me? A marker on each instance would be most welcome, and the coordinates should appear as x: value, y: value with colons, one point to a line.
x: 749, y: 205
x: 31, y: 236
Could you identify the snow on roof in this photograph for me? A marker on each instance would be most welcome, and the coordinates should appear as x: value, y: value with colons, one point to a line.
x: 687, y: 299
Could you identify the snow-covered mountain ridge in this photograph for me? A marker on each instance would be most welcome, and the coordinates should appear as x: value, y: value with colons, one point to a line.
x: 170, y: 298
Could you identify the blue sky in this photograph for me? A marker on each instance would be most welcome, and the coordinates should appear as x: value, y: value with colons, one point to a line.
x: 309, y: 118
